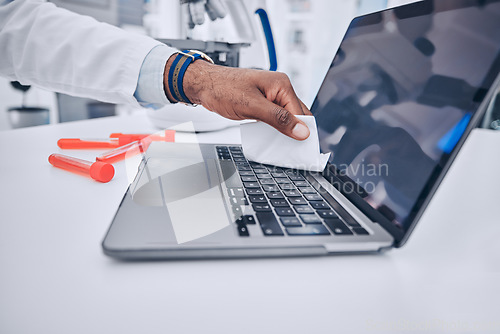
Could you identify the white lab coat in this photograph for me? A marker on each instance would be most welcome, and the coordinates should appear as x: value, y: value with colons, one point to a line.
x: 50, y: 47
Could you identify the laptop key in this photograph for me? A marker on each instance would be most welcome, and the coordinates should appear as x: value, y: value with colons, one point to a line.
x: 237, y: 210
x: 279, y: 202
x: 260, y: 171
x: 249, y: 219
x: 278, y: 174
x: 275, y: 195
x: 251, y: 184
x: 296, y: 178
x: 297, y: 201
x: 238, y: 201
x: 245, y: 220
x: 242, y: 230
x: 301, y: 183
x: 266, y: 181
x: 269, y: 224
x: 310, y: 219
x: 244, y: 168
x: 264, y: 176
x: 258, y: 198
x: 320, y: 206
x: 281, y: 180
x: 287, y: 186
x: 254, y: 191
x: 261, y: 207
x: 292, y: 193
x: 338, y: 227
x: 352, y: 223
x: 360, y: 231
x: 248, y: 179
x: 290, y: 221
x: 224, y: 156
x: 307, y: 230
x: 268, y: 187
x: 327, y: 214
x: 246, y: 173
x: 303, y: 209
x: 307, y: 190
x: 274, y: 169
x: 285, y: 212
x: 313, y: 197
x: 237, y: 192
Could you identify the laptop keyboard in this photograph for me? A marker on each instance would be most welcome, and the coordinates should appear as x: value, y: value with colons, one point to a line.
x: 283, y: 201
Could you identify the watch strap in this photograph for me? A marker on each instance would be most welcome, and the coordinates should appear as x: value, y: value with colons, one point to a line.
x: 177, y: 71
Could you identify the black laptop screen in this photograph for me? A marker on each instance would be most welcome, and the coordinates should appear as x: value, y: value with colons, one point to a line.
x: 400, y: 93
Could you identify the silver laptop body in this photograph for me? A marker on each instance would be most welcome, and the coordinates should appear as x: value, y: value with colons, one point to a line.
x: 405, y: 88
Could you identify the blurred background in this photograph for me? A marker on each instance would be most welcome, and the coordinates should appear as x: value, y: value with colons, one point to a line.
x: 306, y: 34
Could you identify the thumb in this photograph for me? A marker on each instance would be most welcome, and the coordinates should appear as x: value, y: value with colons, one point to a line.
x: 281, y: 119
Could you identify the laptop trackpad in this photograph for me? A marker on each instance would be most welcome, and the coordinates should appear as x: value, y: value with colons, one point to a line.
x: 190, y: 192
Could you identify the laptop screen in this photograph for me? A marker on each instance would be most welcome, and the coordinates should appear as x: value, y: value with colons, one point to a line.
x: 400, y: 93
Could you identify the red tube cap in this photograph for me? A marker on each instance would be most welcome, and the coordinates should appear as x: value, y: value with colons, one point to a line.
x: 102, y: 172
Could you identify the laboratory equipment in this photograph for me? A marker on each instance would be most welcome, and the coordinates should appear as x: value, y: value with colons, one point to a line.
x: 23, y: 116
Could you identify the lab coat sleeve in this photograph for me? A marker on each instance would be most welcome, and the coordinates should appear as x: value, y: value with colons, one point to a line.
x: 150, y: 92
x: 52, y: 48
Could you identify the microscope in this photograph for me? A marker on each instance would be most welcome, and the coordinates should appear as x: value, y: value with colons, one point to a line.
x: 233, y: 33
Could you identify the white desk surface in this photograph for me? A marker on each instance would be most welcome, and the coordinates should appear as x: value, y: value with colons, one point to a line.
x: 55, y: 279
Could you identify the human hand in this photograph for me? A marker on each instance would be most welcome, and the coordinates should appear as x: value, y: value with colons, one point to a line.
x: 240, y: 94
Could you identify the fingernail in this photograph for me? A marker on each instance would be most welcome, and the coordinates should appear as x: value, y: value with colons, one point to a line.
x: 300, y: 131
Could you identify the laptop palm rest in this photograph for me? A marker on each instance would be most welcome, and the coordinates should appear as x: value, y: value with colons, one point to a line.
x: 180, y: 200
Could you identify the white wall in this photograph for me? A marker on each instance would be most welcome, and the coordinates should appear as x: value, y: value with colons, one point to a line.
x: 394, y: 3
x: 323, y: 26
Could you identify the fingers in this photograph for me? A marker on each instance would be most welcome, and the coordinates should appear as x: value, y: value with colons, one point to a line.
x: 280, y: 118
x: 278, y: 88
x: 305, y: 110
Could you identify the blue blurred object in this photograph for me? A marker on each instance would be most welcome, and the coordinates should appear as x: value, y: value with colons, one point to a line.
x: 451, y: 138
x: 264, y: 19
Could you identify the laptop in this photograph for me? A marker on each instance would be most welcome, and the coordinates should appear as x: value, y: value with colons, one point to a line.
x: 403, y: 91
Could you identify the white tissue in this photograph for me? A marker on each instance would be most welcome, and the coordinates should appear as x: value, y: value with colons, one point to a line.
x: 263, y: 143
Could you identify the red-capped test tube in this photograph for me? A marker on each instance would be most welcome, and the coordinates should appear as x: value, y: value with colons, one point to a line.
x: 122, y: 152
x: 99, y: 171
x: 93, y: 144
x: 165, y: 135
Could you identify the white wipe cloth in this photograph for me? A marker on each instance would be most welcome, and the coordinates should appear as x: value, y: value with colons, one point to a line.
x: 263, y: 143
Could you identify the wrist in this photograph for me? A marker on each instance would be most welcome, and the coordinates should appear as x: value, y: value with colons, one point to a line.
x: 169, y: 63
x: 186, y: 80
x: 196, y: 79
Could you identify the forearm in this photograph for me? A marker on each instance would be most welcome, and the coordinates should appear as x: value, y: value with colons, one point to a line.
x: 58, y: 50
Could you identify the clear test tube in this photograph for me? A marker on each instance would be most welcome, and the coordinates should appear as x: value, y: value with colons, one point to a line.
x: 99, y: 171
x: 165, y: 135
x: 122, y: 152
